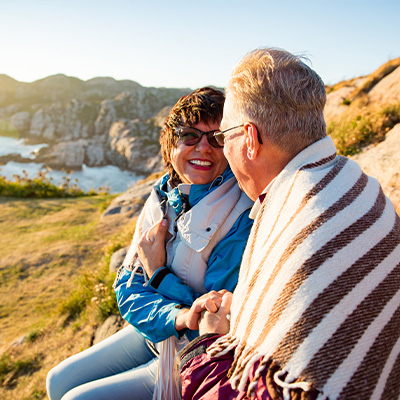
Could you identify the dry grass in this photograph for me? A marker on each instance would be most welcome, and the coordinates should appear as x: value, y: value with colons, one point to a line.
x: 370, y: 81
x: 375, y: 77
x: 46, y: 247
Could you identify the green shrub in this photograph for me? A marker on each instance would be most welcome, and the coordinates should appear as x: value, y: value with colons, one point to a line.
x: 41, y: 187
x: 33, y: 335
x: 362, y: 128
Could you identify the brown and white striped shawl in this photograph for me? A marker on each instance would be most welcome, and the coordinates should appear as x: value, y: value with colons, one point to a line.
x: 317, y: 302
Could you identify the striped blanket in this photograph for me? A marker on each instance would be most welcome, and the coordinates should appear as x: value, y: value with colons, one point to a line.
x: 318, y: 297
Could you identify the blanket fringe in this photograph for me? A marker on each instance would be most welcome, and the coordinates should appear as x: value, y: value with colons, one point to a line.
x: 288, y: 387
x: 245, y: 363
x: 249, y: 361
x: 222, y: 346
x: 238, y: 353
x: 253, y: 384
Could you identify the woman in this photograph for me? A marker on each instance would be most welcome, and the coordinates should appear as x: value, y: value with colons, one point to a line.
x: 189, y: 240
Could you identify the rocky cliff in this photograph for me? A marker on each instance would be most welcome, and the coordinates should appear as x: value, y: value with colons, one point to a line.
x: 96, y: 122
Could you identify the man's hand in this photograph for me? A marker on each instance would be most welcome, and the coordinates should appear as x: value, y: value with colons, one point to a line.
x: 151, y: 248
x: 217, y: 322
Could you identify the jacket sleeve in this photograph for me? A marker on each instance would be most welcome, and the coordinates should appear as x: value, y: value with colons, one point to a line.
x: 223, y: 266
x: 148, y: 311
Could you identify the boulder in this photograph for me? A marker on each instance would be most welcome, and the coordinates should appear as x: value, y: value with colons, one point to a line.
x: 383, y: 163
x: 69, y: 154
x: 134, y: 145
x: 39, y: 122
x: 107, y: 115
x: 336, y: 100
x: 386, y: 90
x: 117, y: 259
x: 95, y: 155
x: 111, y: 325
x: 131, y: 202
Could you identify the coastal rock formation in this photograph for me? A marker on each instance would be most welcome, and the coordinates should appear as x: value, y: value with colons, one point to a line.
x: 97, y: 122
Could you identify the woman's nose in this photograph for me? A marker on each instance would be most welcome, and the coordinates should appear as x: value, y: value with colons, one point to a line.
x: 203, y: 145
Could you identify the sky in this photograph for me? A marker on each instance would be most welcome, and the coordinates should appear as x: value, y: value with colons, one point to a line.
x: 190, y: 44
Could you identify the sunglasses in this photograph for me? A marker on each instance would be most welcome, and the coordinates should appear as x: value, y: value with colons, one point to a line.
x: 191, y: 136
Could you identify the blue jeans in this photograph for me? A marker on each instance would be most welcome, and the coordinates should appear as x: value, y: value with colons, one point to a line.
x: 120, y: 367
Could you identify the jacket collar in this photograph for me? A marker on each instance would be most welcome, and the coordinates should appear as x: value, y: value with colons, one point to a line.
x: 186, y: 195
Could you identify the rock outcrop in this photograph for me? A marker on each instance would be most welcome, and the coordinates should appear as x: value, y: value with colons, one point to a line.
x: 380, y: 88
x: 386, y: 90
x: 383, y: 163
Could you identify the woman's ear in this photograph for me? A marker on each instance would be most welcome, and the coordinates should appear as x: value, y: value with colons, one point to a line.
x: 252, y: 142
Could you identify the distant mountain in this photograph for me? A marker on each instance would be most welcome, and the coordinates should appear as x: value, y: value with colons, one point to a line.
x: 61, y: 88
x: 8, y: 84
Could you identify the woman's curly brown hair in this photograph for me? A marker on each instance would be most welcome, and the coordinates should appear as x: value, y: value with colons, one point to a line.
x: 203, y: 105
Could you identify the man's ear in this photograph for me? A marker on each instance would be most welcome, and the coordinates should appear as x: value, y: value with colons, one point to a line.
x: 252, y: 143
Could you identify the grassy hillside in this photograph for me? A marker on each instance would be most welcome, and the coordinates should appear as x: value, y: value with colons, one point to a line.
x: 54, y: 254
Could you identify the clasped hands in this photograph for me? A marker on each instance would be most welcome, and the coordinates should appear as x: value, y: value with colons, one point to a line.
x: 210, y: 312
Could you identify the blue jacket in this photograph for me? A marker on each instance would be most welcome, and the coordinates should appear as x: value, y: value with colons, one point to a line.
x: 152, y: 307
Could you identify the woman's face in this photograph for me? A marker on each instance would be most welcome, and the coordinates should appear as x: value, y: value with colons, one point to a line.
x: 201, y: 163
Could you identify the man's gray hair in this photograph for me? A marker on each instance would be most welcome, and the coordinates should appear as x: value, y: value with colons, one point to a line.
x: 281, y: 95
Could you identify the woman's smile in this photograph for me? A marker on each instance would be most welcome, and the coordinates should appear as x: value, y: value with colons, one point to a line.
x: 200, y: 163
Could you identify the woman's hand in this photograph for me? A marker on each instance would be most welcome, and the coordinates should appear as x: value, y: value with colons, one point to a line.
x: 151, y: 248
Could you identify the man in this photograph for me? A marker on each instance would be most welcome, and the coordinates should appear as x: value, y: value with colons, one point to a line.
x: 316, y: 312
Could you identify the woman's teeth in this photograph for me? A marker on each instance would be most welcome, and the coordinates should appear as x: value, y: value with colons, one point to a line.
x: 201, y: 163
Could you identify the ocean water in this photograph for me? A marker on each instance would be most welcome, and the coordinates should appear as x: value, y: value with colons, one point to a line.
x: 14, y: 146
x: 115, y: 179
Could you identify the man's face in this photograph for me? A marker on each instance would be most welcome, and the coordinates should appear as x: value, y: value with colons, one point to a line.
x: 235, y: 150
x: 234, y: 144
